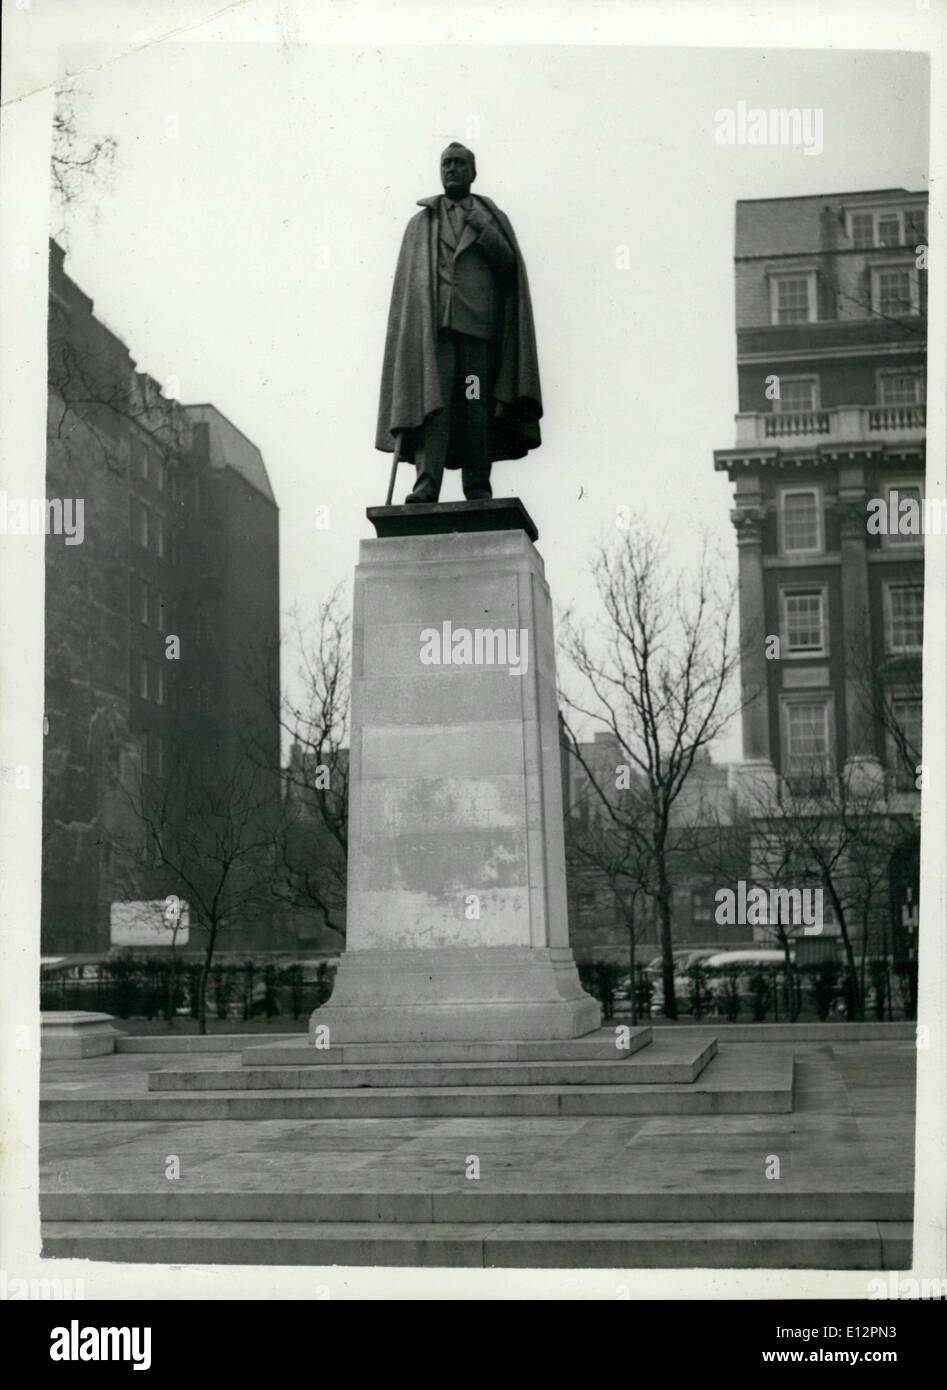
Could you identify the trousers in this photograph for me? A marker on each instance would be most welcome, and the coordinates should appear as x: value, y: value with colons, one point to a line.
x: 459, y: 436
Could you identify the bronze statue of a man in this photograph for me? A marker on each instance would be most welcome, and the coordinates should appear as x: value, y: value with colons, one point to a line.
x: 460, y: 379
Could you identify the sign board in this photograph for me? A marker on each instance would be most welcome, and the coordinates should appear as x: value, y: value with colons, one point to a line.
x: 163, y: 922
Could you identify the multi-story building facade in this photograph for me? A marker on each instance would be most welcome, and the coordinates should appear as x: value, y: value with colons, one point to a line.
x: 831, y: 353
x: 162, y: 626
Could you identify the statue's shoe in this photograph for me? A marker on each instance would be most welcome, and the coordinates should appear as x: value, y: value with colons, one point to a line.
x: 479, y: 494
x: 422, y: 496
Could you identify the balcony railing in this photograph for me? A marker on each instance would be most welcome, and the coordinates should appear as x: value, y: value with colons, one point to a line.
x: 849, y: 422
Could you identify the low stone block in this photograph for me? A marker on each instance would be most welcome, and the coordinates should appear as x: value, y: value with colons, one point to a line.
x: 76, y: 1033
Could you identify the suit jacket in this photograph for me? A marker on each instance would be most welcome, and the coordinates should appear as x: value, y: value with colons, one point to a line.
x: 410, y: 382
x: 471, y: 274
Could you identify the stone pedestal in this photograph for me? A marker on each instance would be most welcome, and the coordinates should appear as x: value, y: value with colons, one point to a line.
x: 457, y: 918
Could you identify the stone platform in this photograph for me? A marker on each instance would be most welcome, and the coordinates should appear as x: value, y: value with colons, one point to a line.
x: 294, y: 1168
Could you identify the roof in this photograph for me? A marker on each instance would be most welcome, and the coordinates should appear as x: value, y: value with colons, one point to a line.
x: 228, y: 447
x: 852, y: 193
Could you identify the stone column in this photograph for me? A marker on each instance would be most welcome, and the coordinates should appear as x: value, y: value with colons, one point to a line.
x: 457, y: 914
x: 756, y: 770
x: 862, y: 767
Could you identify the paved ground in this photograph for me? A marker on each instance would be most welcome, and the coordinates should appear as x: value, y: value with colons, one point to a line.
x: 851, y: 1132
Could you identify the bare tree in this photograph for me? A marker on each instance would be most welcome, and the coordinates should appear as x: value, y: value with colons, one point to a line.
x: 836, y: 832
x: 596, y: 848
x: 658, y: 672
x: 315, y: 719
x: 80, y: 164
x: 208, y: 837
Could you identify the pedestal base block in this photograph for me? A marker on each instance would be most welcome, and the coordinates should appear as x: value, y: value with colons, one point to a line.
x: 457, y: 995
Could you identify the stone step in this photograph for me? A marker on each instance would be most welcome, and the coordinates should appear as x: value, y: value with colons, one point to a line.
x: 773, y: 1203
x: 679, y: 1065
x: 581, y: 1245
x: 773, y: 1096
x: 604, y: 1045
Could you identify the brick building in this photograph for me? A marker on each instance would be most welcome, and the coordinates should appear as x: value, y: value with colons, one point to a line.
x: 181, y: 537
x: 831, y: 352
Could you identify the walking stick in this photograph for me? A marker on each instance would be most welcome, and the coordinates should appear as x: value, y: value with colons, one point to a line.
x: 394, y: 469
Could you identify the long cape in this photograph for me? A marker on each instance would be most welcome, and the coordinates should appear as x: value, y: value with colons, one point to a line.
x: 410, y: 388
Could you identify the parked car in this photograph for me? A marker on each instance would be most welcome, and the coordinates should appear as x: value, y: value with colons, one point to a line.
x: 683, y: 960
x: 743, y: 963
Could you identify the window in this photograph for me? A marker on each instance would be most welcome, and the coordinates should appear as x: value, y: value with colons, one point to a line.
x: 894, y: 291
x: 159, y: 474
x: 152, y: 754
x: 160, y: 617
x: 898, y: 493
x: 887, y: 226
x: 905, y: 617
x: 915, y: 226
x: 701, y: 909
x: 792, y: 298
x: 143, y: 677
x: 585, y: 903
x: 143, y: 465
x: 808, y: 737
x: 797, y: 393
x: 804, y: 625
x: 143, y: 525
x: 900, y: 388
x: 904, y: 740
x: 861, y: 229
x: 800, y: 521
x: 157, y: 683
x: 889, y: 229
x: 144, y: 601
x: 159, y: 536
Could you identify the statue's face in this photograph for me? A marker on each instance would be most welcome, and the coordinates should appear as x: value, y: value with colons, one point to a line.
x: 456, y: 174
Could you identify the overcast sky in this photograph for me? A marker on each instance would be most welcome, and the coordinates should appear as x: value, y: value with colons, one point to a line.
x: 243, y: 168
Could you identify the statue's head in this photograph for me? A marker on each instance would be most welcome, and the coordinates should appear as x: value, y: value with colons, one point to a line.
x: 458, y: 170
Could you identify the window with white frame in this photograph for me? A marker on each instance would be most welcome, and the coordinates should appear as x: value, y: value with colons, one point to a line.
x: 889, y: 228
x: 870, y: 228
x: 895, y: 495
x: 804, y: 621
x: 797, y: 393
x: 158, y: 684
x: 800, y: 515
x: 904, y: 624
x: 900, y: 387
x: 159, y: 536
x: 861, y: 230
x: 793, y: 297
x: 144, y: 600
x: 143, y: 677
x: 808, y: 728
x: 143, y: 519
x: 894, y: 291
